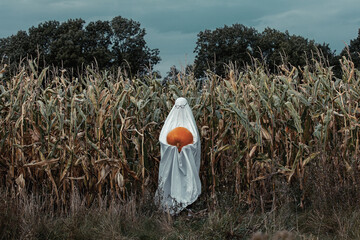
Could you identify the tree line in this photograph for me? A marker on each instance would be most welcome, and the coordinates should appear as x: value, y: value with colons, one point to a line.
x: 240, y: 44
x: 120, y: 43
x: 112, y: 44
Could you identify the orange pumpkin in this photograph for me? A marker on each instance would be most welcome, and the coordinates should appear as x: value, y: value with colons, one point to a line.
x: 179, y: 137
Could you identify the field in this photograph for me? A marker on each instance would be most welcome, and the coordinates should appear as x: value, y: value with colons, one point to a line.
x: 280, y: 152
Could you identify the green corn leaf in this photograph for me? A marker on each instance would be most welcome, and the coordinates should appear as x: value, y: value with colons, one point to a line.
x: 295, y: 116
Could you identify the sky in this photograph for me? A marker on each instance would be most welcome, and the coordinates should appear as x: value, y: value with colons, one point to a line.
x: 172, y: 25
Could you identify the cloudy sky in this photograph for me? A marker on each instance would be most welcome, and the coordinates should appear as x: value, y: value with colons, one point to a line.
x: 172, y: 25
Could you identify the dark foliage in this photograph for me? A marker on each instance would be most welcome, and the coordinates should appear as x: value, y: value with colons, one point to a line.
x: 112, y: 44
x: 353, y: 50
x: 240, y: 44
x: 224, y: 45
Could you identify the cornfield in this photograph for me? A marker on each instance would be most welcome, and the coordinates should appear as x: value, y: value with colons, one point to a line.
x: 98, y: 134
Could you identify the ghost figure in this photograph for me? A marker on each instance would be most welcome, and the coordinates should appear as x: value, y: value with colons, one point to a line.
x: 179, y: 182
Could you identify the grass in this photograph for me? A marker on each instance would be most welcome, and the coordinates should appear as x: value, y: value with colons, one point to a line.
x: 32, y: 217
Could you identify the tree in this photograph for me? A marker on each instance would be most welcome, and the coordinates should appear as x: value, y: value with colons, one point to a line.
x: 41, y: 38
x: 223, y: 45
x: 129, y: 46
x: 238, y: 44
x: 330, y: 58
x: 71, y: 44
x: 98, y: 43
x: 14, y: 48
x: 67, y: 50
x: 277, y: 48
x: 173, y: 74
x: 269, y: 47
x: 354, y: 50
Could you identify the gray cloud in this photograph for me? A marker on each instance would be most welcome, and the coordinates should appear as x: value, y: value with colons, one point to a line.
x: 333, y: 22
x: 172, y: 25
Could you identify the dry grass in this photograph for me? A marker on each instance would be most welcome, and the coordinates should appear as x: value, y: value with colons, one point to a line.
x: 267, y: 140
x: 34, y: 217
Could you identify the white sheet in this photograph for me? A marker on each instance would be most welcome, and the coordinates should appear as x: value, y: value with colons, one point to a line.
x: 179, y: 182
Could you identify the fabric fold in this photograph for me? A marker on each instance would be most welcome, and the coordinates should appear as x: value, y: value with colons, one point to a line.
x: 179, y: 183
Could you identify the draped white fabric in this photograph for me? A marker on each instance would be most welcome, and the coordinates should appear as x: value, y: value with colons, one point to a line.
x: 179, y: 182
